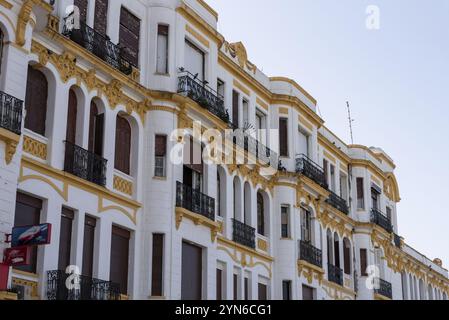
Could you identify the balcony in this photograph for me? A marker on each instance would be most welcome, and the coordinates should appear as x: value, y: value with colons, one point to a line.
x: 310, y: 254
x: 338, y: 203
x: 195, y: 201
x: 11, y: 113
x: 397, y: 241
x: 87, y: 288
x: 85, y: 164
x: 383, y: 288
x: 98, y: 44
x: 335, y: 274
x: 311, y: 170
x: 190, y: 86
x: 244, y: 234
x: 381, y: 220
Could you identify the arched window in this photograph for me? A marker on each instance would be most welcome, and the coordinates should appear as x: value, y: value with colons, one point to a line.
x: 430, y: 292
x: 260, y: 214
x: 36, y: 101
x: 237, y: 200
x: 96, y: 126
x: 1, y: 49
x: 405, y: 295
x: 412, y: 287
x: 337, y: 250
x: 347, y: 256
x: 71, y: 117
x: 123, y: 145
x: 330, y: 256
x: 219, y: 194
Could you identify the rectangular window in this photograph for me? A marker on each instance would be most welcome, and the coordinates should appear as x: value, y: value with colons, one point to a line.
x: 219, y: 284
x: 120, y: 258
x: 343, y: 186
x: 306, y: 225
x: 88, y: 245
x: 220, y: 88
x: 194, y: 60
x: 263, y: 292
x: 245, y: 112
x: 65, y: 238
x: 129, y: 36
x: 286, y: 290
x: 157, y: 265
x: 246, y: 289
x: 333, y: 186
x: 285, y: 219
x: 160, y: 155
x: 192, y: 272
x: 261, y: 121
x: 28, y: 213
x: 303, y: 143
x: 389, y: 216
x: 162, y: 49
x: 1, y: 50
x: 236, y: 286
x: 283, y: 137
x: 101, y: 16
x: 326, y: 170
x: 375, y: 197
x: 363, y: 262
x: 308, y: 293
x: 360, y: 194
x: 235, y: 108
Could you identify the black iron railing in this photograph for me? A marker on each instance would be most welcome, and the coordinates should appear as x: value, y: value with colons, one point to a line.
x: 310, y: 169
x: 307, y: 252
x: 195, y: 201
x: 10, y: 113
x: 244, y: 234
x: 85, y: 164
x: 338, y: 203
x: 200, y: 92
x: 381, y: 220
x: 383, y: 288
x: 335, y: 274
x: 60, y: 287
x: 397, y: 241
x: 98, y: 44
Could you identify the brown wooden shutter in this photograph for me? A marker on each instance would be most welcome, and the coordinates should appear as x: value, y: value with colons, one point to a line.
x: 236, y: 287
x: 129, y: 36
x: 120, y: 258
x: 88, y: 245
x: 283, y: 137
x: 157, y: 265
x: 123, y: 145
x: 219, y: 285
x: 161, y: 146
x: 235, y: 108
x: 263, y: 292
x: 326, y: 173
x: 307, y: 293
x: 36, y: 101
x: 347, y: 257
x: 194, y: 147
x: 192, y: 272
x: 28, y: 211
x: 363, y: 262
x: 1, y: 50
x: 360, y: 193
x: 337, y: 252
x: 101, y: 16
x: 92, y: 117
x: 246, y: 289
x: 65, y: 238
x: 82, y: 6
x: 71, y: 117
x: 99, y: 133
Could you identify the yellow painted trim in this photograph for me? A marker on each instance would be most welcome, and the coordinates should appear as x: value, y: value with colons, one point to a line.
x: 340, y: 288
x: 262, y: 104
x: 199, y: 220
x: 11, y: 141
x: 381, y: 297
x: 296, y: 85
x: 284, y: 111
x: 344, y: 158
x: 6, y: 4
x: 236, y: 246
x: 330, y: 157
x: 376, y: 181
x: 102, y: 208
x: 8, y: 296
x: 208, y: 8
x: 305, y: 123
x: 242, y: 88
x: 198, y: 36
x: 35, y: 148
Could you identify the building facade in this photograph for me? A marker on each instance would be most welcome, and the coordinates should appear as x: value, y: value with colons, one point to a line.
x: 96, y: 102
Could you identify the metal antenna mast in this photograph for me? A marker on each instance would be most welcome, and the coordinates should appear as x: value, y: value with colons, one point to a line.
x: 350, y: 122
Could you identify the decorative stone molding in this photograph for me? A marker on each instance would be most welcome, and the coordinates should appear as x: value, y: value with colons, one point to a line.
x: 198, y: 220
x: 11, y: 141
x: 35, y: 148
x: 262, y: 245
x: 310, y: 272
x: 25, y: 17
x: 237, y: 50
x: 123, y: 186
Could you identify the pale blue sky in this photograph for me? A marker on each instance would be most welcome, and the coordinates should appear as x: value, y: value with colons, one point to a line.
x: 396, y: 78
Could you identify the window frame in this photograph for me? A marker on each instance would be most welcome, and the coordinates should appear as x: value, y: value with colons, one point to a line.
x: 167, y: 48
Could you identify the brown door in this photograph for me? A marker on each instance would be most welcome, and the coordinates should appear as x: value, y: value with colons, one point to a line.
x: 82, y: 6
x: 28, y: 212
x: 120, y: 258
x: 71, y: 118
x: 96, y: 130
x: 123, y: 145
x: 219, y: 285
x: 157, y: 265
x: 235, y: 108
x: 65, y: 238
x: 129, y: 36
x: 88, y: 246
x: 101, y: 16
x: 263, y: 292
x: 192, y: 272
x: 307, y: 293
x: 36, y: 101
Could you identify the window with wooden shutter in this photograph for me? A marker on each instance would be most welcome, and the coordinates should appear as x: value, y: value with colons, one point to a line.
x: 286, y: 290
x: 246, y: 285
x: 192, y: 272
x: 123, y: 145
x: 96, y: 130
x: 82, y: 6
x: 363, y: 262
x: 308, y: 293
x: 129, y: 36
x: 194, y: 60
x: 337, y: 251
x: 193, y: 156
x: 162, y: 49
x: 347, y: 256
x: 219, y: 285
x: 36, y: 101
x: 157, y: 265
x: 325, y: 170
x: 101, y: 16
x: 260, y: 215
x: 1, y: 50
x: 235, y: 108
x: 28, y: 213
x: 88, y: 245
x: 120, y: 258
x: 285, y: 218
x: 283, y: 137
x: 236, y: 287
x: 360, y: 194
x: 263, y: 292
x: 160, y: 154
x: 65, y: 238
x: 71, y: 117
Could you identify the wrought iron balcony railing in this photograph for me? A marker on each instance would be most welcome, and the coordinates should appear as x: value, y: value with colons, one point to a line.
x: 335, y: 274
x: 381, y: 220
x: 98, y: 44
x: 10, y: 113
x: 85, y: 164
x: 338, y: 203
x: 310, y: 254
x: 195, y: 201
x: 310, y: 169
x: 81, y: 288
x: 200, y: 92
x: 244, y: 234
x: 383, y: 288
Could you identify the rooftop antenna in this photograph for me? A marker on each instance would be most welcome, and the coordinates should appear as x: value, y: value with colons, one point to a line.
x: 350, y: 122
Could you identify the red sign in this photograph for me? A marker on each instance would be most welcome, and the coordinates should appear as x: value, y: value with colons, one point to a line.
x: 4, y: 275
x: 19, y: 256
